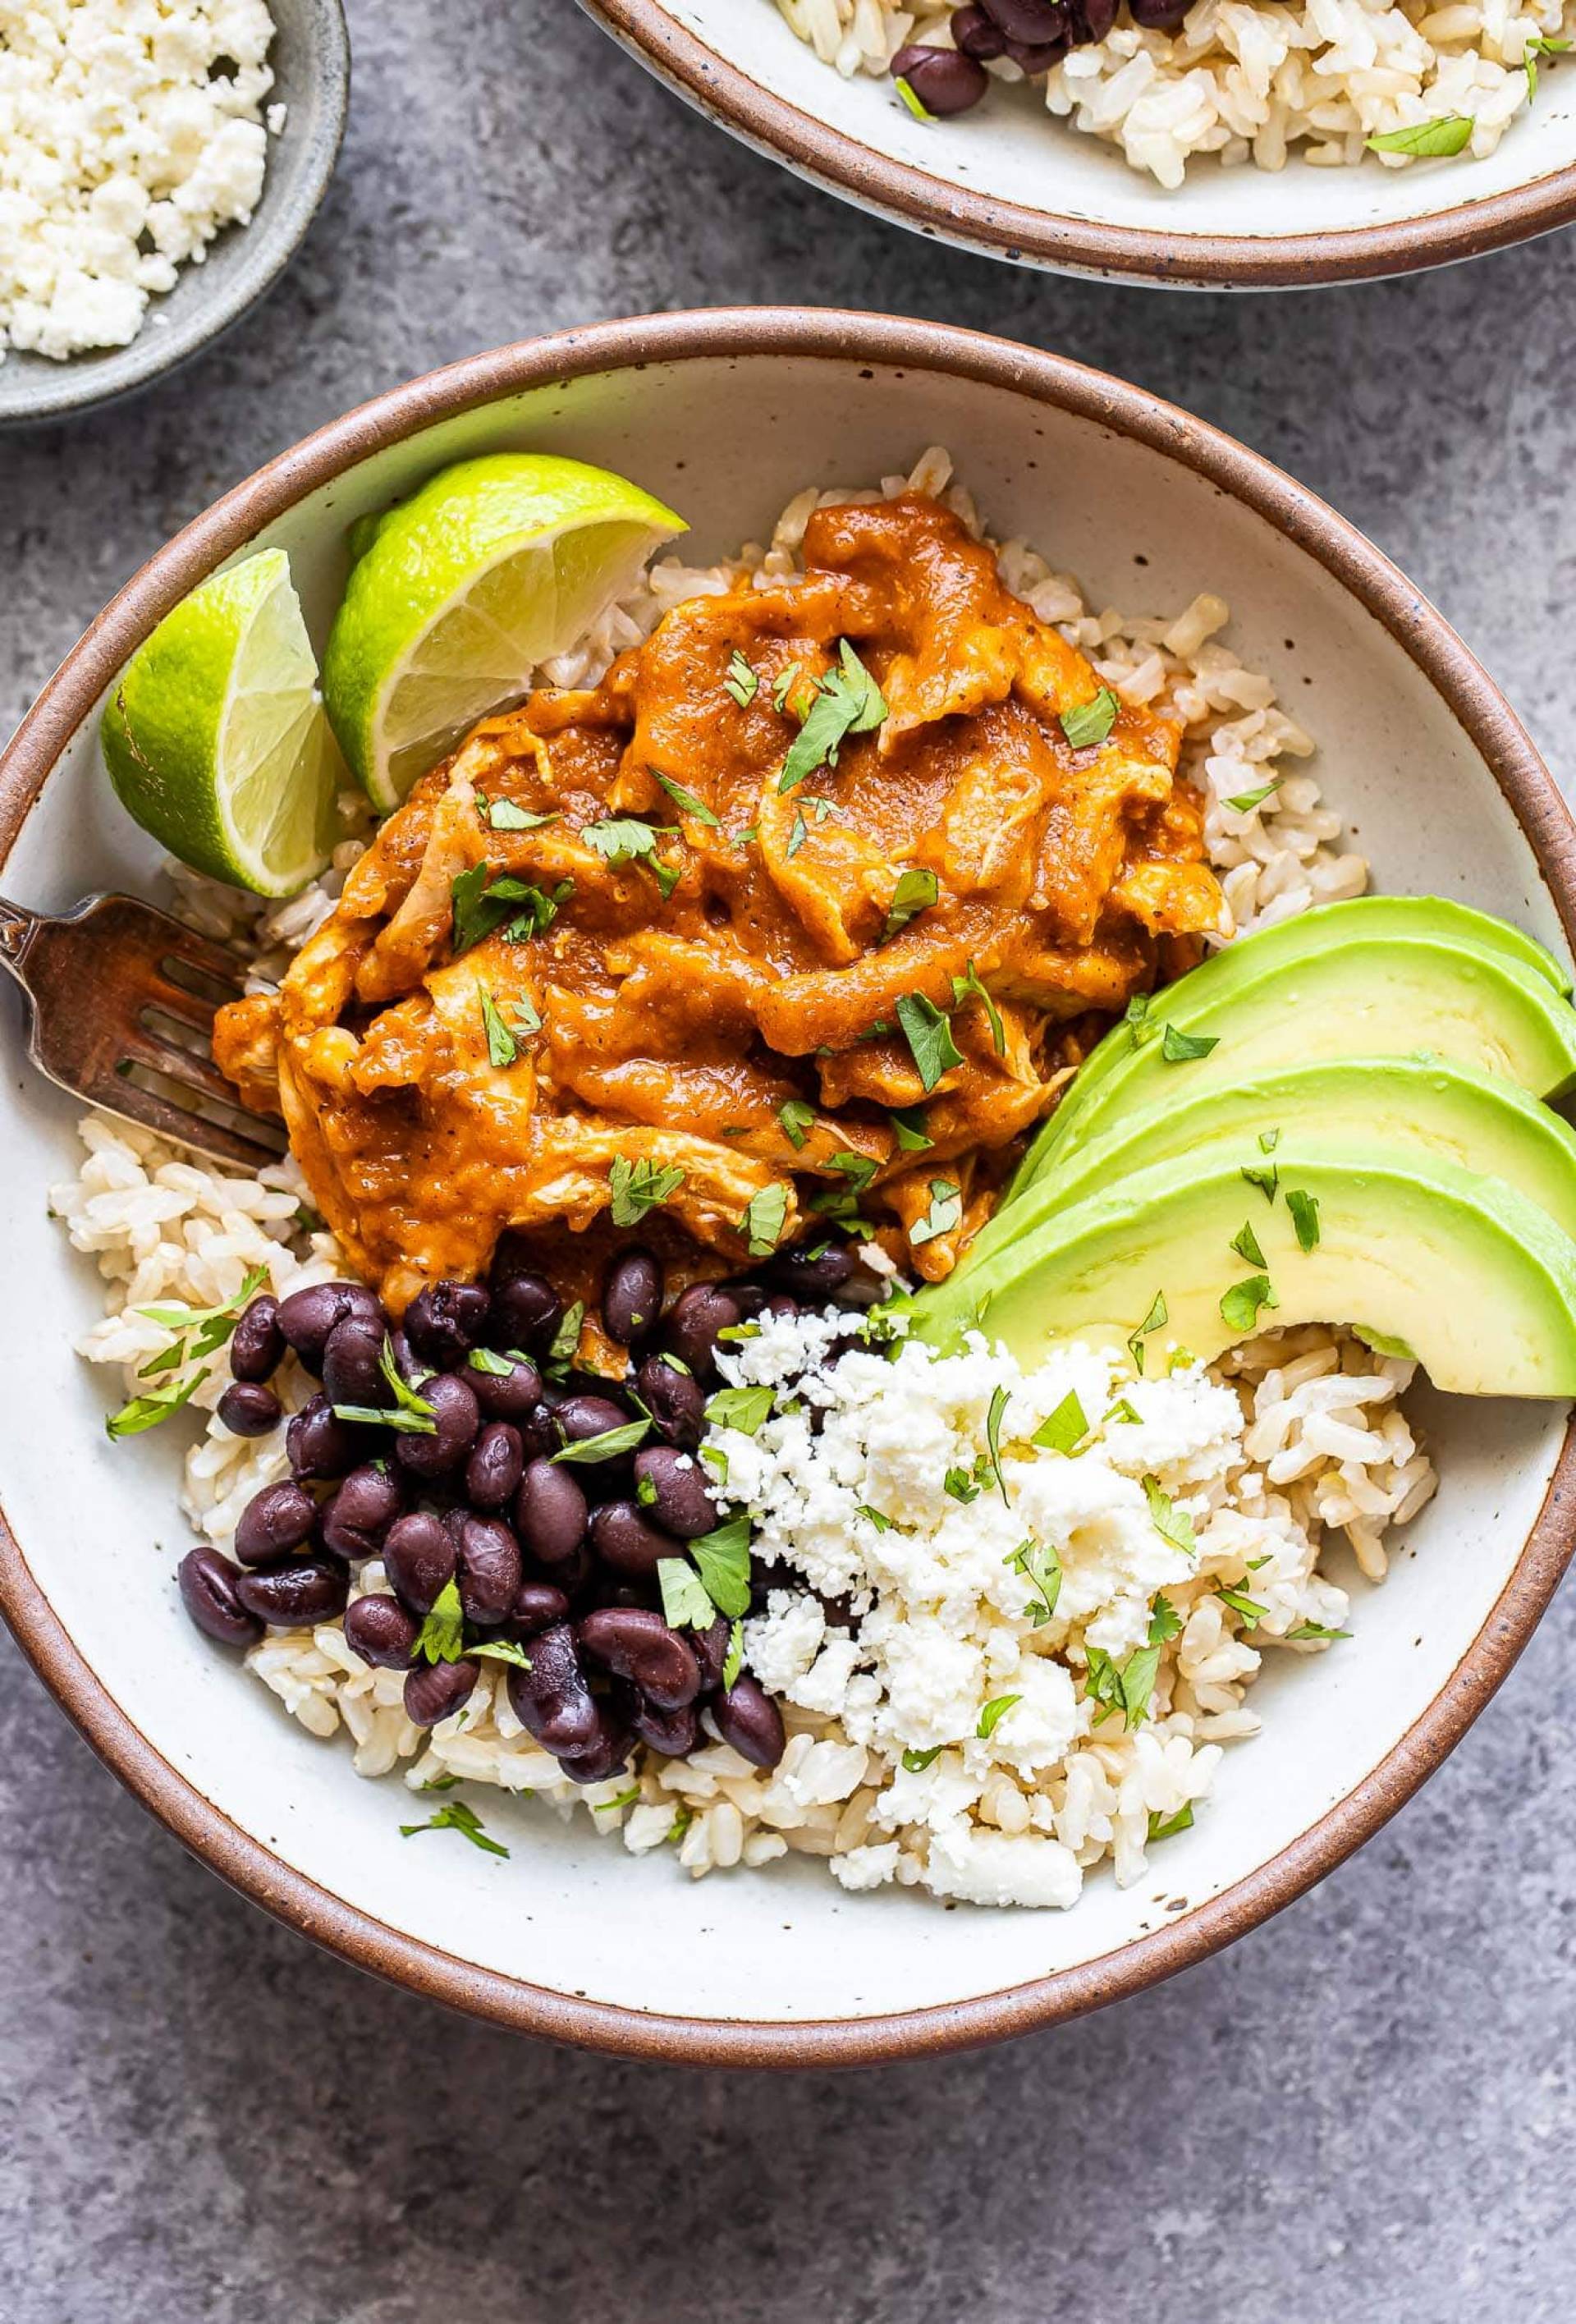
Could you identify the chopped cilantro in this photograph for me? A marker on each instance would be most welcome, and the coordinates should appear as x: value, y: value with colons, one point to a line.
x: 734, y: 1660
x: 566, y: 1338
x: 504, y: 815
x: 993, y: 1419
x: 961, y: 1485
x: 1171, y: 1524
x: 1041, y: 1568
x: 746, y: 1409
x: 965, y: 987
x: 1266, y: 1176
x: 1166, y: 1827
x: 454, y: 1815
x: 945, y: 1212
x: 915, y: 890
x: 685, y: 1603
x: 441, y: 1637
x: 1305, y: 1209
x: 482, y: 904
x: 798, y: 1121
x: 1445, y: 134
x: 1155, y: 1321
x: 762, y: 1222
x: 993, y: 1713
x: 908, y: 1128
x: 1240, y: 1603
x: 914, y: 1763
x: 1123, y: 1411
x: 1088, y: 722
x: 623, y: 839
x: 1165, y: 1622
x: 722, y: 1556
x: 743, y: 682
x: 1178, y: 1048
x: 1246, y: 1245
x: 921, y: 112
x: 1240, y: 1305
x: 929, y: 1037
x: 1269, y: 1139
x: 612, y: 1443
x: 874, y: 1517
x: 1065, y: 1429
x: 1246, y: 801
x: 1136, y: 1017
x: 1310, y: 1630
x: 847, y: 701
x: 686, y: 802
x: 637, y: 1187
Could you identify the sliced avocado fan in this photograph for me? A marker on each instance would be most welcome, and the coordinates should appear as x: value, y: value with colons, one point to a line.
x: 1371, y: 995
x: 1480, y: 1122
x: 1466, y: 1273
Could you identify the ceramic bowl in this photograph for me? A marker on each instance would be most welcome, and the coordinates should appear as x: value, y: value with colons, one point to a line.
x: 726, y: 415
x: 310, y: 57
x: 1011, y: 182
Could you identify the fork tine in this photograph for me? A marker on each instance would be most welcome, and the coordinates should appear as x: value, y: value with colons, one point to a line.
x: 188, y: 1008
x: 118, y: 1093
x: 185, y: 1067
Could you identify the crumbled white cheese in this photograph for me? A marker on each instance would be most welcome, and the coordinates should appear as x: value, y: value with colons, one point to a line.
x: 130, y: 132
x: 918, y: 1631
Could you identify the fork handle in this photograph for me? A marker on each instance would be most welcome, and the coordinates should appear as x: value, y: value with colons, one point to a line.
x: 18, y: 927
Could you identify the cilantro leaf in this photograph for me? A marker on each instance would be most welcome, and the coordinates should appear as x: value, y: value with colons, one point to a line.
x: 504, y: 815
x: 1139, y: 1674
x: 1041, y: 1568
x: 607, y: 1446
x: 502, y: 1047
x: 482, y: 904
x: 1305, y: 1209
x: 1246, y: 1245
x: 929, y: 1037
x: 622, y: 839
x: 746, y: 1409
x: 1240, y: 1603
x: 1445, y: 134
x: 1266, y: 1176
x: 566, y: 1338
x: 144, y: 1412
x: 1269, y: 1139
x: 762, y: 1222
x: 993, y: 1713
x: 945, y: 1212
x: 848, y: 701
x: 1166, y: 1827
x: 1088, y: 722
x: 1178, y: 1048
x: 502, y: 1650
x: 908, y: 1128
x: 743, y: 681
x: 1310, y: 1630
x: 734, y: 1660
x: 1155, y: 1321
x: 1240, y: 1305
x: 441, y: 1637
x: 1065, y: 1429
x: 638, y: 1187
x: 1246, y: 801
x: 1173, y: 1524
x: 993, y: 1419
x: 798, y: 1121
x: 723, y: 1558
x: 454, y: 1815
x: 914, y: 1763
x: 687, y: 801
x: 1165, y: 1622
x: 1136, y: 1017
x: 915, y: 892
x: 963, y: 988
x: 685, y: 1603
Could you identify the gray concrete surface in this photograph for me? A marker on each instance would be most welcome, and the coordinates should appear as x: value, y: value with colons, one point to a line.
x: 1362, y: 2112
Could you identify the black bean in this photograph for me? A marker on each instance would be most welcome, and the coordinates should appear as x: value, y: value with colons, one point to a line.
x: 257, y: 1343
x: 247, y: 1408
x: 1092, y: 21
x: 640, y: 1646
x: 606, y: 1755
x: 435, y: 1690
x: 419, y: 1558
x: 748, y: 1718
x: 579, y: 1418
x: 624, y: 1590
x: 672, y: 1733
x: 445, y: 1320
x: 974, y: 34
x: 551, y: 1700
x: 488, y: 1564
x: 669, y: 1485
x: 710, y: 1652
x: 623, y: 1538
x: 275, y: 1521
x: 550, y: 1513
x: 944, y: 80
x: 513, y: 1394
x: 747, y: 1295
x: 378, y: 1628
x: 1028, y: 20
x: 290, y: 1597
x: 318, y: 1443
x: 538, y: 1606
x: 459, y: 1416
x: 1159, y: 16
x: 353, y: 1520
x: 307, y: 1317
x: 632, y: 1296
x: 675, y: 1400
x: 693, y: 1323
x: 207, y: 1583
x: 526, y: 1310
x: 538, y: 1436
x: 353, y: 1362
x: 495, y: 1467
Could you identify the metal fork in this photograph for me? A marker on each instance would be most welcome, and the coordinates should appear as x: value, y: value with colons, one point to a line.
x: 115, y: 991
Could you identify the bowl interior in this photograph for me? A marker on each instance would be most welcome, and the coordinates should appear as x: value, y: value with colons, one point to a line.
x: 310, y: 57
x: 1013, y: 152
x: 727, y: 441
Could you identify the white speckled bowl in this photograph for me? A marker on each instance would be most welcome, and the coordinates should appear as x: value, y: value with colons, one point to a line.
x: 1010, y: 182
x: 310, y: 57
x: 726, y: 415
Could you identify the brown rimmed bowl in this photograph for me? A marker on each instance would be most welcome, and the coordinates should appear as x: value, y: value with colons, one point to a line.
x: 726, y: 415
x: 1012, y: 182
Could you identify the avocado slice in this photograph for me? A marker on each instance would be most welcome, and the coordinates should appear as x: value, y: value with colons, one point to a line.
x: 1367, y: 997
x: 1243, y: 962
x: 1475, y: 1281
x: 1480, y: 1122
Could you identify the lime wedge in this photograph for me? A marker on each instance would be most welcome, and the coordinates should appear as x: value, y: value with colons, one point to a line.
x: 457, y: 594
x: 214, y: 736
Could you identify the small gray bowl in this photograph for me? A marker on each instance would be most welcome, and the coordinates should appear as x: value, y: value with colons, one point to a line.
x: 310, y: 57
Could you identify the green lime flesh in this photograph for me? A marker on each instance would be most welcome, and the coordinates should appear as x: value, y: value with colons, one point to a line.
x: 1476, y: 1281
x: 458, y: 594
x: 215, y: 737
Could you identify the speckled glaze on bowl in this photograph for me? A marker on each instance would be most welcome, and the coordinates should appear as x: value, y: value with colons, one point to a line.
x: 1010, y: 182
x: 725, y: 415
x: 310, y: 57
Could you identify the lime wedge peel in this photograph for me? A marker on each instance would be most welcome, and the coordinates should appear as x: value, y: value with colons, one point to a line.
x: 215, y: 735
x: 494, y: 566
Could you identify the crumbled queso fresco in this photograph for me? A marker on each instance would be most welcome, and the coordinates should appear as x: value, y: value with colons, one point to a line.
x: 1027, y: 1637
x: 131, y: 131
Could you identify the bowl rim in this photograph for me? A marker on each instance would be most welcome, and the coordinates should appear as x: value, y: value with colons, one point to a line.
x: 939, y: 206
x: 68, y: 700
x: 102, y: 375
